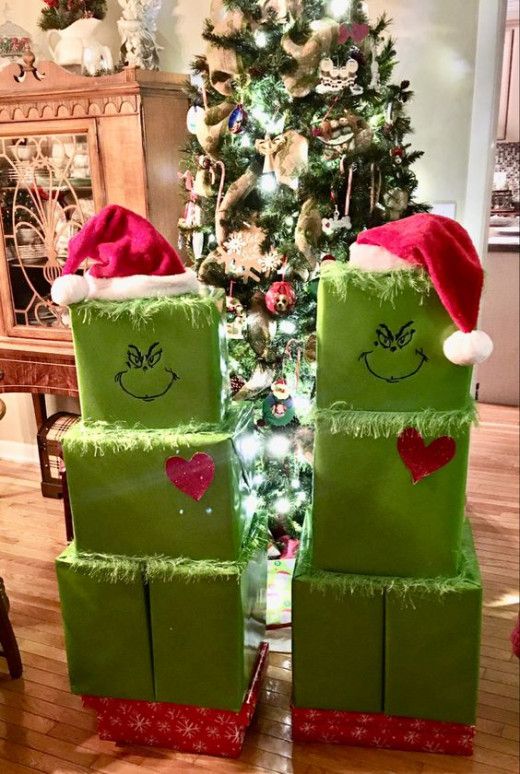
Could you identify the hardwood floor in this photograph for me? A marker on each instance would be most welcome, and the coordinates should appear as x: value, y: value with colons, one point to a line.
x: 44, y: 728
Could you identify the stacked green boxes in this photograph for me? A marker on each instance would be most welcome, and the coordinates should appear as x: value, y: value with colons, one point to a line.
x: 163, y: 589
x: 387, y: 593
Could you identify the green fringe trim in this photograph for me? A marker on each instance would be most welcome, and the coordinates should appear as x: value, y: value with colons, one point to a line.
x: 342, y: 584
x: 113, y: 568
x: 200, y: 310
x: 112, y: 437
x: 385, y: 286
x: 342, y: 418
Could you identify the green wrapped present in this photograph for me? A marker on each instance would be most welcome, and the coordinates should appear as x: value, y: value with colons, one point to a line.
x: 337, y: 642
x: 380, y: 343
x: 408, y: 647
x: 180, y: 492
x: 389, y: 491
x: 432, y: 647
x: 106, y: 629
x: 151, y: 362
x: 207, y: 622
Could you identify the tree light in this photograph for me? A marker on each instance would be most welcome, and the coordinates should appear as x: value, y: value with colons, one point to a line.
x: 283, y: 505
x: 278, y: 446
x: 251, y: 503
x: 245, y: 141
x: 249, y: 446
x: 268, y: 182
x: 339, y: 8
x: 302, y: 403
x: 287, y: 326
x: 260, y: 38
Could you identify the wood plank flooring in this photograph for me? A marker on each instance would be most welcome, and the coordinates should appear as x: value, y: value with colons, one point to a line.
x: 44, y: 728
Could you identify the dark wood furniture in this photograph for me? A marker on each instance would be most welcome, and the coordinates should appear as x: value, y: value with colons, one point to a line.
x: 8, y: 645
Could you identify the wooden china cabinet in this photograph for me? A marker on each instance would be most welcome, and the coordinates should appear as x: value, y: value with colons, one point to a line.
x: 70, y: 144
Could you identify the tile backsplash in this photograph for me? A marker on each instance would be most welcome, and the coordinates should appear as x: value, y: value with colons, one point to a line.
x: 508, y: 160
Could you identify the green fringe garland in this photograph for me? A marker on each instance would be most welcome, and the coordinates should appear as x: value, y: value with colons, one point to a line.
x: 101, y: 437
x: 341, y: 584
x: 199, y: 309
x: 341, y: 418
x: 113, y: 568
x: 384, y: 286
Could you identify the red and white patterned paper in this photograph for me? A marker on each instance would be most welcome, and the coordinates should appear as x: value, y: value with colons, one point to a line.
x: 379, y: 730
x: 179, y: 726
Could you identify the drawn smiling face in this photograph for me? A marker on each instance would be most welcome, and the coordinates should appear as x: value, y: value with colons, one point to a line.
x: 145, y: 378
x: 392, y: 359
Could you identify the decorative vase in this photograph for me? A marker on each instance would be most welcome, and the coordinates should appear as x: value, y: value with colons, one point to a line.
x: 137, y: 29
x: 76, y: 45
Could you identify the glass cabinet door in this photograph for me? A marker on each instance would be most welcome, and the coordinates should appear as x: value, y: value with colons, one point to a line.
x: 47, y: 192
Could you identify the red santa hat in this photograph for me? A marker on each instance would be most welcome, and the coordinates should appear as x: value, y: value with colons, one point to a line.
x: 443, y: 248
x: 130, y: 260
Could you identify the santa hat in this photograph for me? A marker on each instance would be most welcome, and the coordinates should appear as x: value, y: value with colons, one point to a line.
x: 130, y: 260
x: 444, y: 250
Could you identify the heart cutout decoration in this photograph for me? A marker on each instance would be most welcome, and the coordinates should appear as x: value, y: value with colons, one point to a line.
x: 358, y: 32
x: 193, y: 477
x: 422, y: 460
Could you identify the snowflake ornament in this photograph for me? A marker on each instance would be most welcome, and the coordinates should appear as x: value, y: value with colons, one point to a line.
x: 270, y: 262
x: 242, y: 254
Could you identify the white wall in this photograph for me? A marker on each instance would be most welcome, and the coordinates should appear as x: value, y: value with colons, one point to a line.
x: 436, y: 44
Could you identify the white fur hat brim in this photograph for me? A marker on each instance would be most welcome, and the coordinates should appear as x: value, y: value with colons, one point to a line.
x: 72, y: 288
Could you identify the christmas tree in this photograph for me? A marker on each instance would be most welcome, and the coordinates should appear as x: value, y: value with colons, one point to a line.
x: 299, y: 143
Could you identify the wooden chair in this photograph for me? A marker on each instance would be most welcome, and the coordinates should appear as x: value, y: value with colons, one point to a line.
x: 8, y: 645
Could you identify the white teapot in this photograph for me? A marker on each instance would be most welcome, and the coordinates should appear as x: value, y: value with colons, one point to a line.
x: 77, y: 45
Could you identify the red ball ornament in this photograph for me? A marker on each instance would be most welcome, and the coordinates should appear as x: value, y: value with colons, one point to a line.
x: 397, y: 153
x: 328, y: 257
x: 280, y: 298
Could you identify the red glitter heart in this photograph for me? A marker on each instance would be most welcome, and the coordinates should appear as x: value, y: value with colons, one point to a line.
x: 357, y: 32
x: 422, y: 460
x: 193, y: 477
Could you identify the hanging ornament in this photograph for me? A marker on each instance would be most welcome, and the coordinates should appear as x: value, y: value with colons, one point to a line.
x: 397, y: 154
x: 375, y: 186
x: 204, y: 177
x: 308, y: 231
x: 301, y: 79
x: 280, y: 9
x: 195, y: 114
x: 241, y: 254
x: 197, y: 243
x: 280, y: 298
x: 345, y: 134
x: 337, y: 223
x: 334, y: 80
x: 278, y: 408
x: 235, y: 317
x: 375, y: 77
x: 237, y: 121
x: 395, y: 201
x: 236, y: 383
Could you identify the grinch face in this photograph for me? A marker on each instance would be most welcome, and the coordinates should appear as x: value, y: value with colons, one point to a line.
x: 145, y: 378
x: 394, y: 357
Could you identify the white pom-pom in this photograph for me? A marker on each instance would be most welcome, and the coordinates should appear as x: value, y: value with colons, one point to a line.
x: 69, y: 289
x: 468, y: 348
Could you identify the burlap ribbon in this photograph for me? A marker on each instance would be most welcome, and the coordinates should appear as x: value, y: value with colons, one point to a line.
x: 286, y: 155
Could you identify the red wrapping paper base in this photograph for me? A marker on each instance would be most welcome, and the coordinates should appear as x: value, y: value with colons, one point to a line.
x: 179, y: 726
x: 379, y: 730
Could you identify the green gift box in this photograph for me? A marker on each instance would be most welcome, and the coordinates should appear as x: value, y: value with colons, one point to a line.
x: 432, y: 646
x: 380, y: 339
x: 337, y: 642
x: 106, y: 630
x: 151, y: 362
x: 207, y: 622
x: 168, y: 492
x: 369, y: 515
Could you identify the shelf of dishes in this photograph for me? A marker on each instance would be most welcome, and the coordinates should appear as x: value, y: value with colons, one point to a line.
x: 45, y: 160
